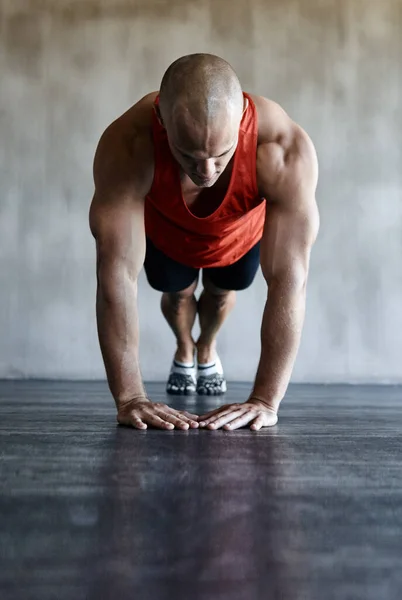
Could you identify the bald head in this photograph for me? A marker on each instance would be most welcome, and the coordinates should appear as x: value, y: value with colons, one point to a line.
x: 204, y: 84
x: 201, y: 104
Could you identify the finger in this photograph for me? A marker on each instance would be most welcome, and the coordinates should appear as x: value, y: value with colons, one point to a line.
x: 187, y: 417
x: 223, y: 410
x: 212, y: 419
x: 177, y: 421
x: 177, y: 418
x: 193, y: 422
x: 137, y: 423
x: 227, y: 418
x: 179, y: 413
x: 257, y: 423
x: 156, y: 421
x: 130, y: 420
x: 190, y: 416
x: 241, y: 421
x: 264, y: 420
x: 211, y: 413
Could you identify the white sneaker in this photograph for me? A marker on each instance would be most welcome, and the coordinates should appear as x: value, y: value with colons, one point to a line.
x: 210, y: 378
x: 182, y: 379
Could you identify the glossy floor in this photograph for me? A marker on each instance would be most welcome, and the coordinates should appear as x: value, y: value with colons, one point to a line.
x: 311, y: 509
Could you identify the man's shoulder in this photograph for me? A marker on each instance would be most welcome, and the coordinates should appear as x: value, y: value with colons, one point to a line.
x: 284, y: 147
x: 124, y: 153
x: 275, y: 126
x: 138, y: 117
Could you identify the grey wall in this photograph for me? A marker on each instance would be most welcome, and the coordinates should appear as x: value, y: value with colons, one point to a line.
x: 70, y: 67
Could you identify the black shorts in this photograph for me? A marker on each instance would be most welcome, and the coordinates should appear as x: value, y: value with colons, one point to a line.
x: 166, y: 275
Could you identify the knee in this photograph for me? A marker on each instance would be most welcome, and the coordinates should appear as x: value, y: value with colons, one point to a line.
x: 221, y: 298
x: 176, y: 300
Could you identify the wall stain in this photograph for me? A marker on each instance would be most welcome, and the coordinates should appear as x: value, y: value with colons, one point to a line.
x: 233, y: 30
x: 71, y: 11
x: 24, y: 44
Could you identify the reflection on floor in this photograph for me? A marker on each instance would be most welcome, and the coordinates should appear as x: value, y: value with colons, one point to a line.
x: 310, y: 509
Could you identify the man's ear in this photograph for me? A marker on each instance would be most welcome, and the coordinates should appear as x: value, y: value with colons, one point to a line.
x: 158, y: 114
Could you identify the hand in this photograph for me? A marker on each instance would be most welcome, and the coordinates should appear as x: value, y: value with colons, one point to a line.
x: 233, y: 416
x: 141, y: 412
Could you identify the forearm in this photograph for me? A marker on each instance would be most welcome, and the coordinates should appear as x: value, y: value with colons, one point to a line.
x: 118, y: 332
x: 281, y: 330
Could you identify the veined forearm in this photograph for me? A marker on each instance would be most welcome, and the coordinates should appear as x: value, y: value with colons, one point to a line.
x: 118, y: 332
x: 281, y: 330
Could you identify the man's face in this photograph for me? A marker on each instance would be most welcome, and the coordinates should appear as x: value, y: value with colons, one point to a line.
x: 202, y: 151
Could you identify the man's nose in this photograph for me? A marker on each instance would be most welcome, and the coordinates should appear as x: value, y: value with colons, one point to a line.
x: 206, y: 168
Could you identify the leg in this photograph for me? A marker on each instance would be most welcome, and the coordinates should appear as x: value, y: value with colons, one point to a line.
x: 180, y: 310
x: 214, y: 306
x: 219, y: 298
x: 177, y: 283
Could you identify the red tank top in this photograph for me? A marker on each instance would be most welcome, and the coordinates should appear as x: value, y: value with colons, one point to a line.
x: 223, y: 237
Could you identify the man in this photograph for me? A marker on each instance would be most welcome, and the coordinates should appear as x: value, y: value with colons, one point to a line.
x: 202, y: 176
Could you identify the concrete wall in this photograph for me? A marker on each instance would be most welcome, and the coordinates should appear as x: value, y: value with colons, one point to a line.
x: 69, y: 67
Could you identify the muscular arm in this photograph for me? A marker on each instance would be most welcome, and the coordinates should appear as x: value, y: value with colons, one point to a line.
x: 123, y: 176
x: 287, y: 175
x: 289, y: 180
x: 120, y: 245
x: 117, y: 224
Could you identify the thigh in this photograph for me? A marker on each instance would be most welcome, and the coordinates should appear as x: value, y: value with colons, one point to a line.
x: 238, y: 276
x: 165, y: 274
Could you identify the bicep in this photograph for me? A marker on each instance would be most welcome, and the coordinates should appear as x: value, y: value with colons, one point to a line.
x: 122, y: 180
x: 117, y: 224
x: 292, y: 218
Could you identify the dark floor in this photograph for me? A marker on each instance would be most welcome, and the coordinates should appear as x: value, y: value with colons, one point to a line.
x: 311, y: 509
